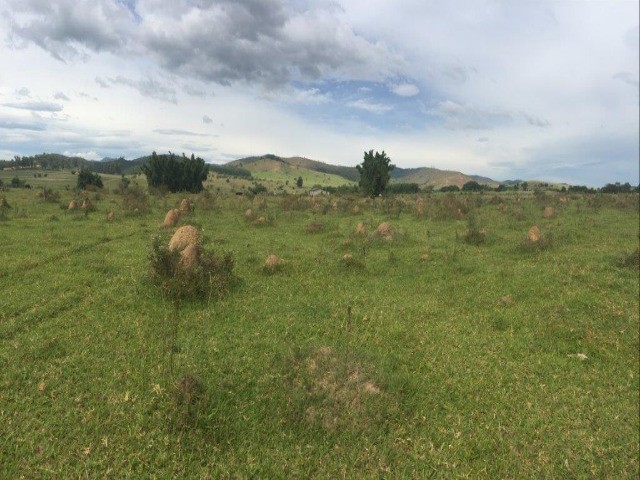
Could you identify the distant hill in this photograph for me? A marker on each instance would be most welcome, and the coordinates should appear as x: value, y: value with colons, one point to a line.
x: 276, y: 163
x: 433, y: 177
x: 425, y: 177
x: 274, y: 168
x: 265, y: 167
x: 56, y: 161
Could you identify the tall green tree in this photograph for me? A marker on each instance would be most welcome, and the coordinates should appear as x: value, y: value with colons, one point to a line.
x: 375, y: 172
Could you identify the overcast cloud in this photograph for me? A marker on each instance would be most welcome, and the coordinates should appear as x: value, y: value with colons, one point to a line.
x: 545, y: 90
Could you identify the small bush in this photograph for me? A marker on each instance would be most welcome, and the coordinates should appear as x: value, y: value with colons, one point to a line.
x: 87, y: 179
x: 135, y: 201
x: 474, y: 235
x: 49, y: 195
x: 16, y: 182
x: 212, y: 276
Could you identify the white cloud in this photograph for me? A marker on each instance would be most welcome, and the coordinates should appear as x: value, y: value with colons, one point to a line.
x: 405, y: 89
x: 370, y: 106
x: 35, y: 106
x: 295, y: 76
x: 88, y: 155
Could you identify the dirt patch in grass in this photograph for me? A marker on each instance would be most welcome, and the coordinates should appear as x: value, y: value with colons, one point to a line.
x: 335, y: 393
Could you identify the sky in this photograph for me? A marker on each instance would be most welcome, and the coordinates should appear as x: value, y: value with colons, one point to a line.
x: 509, y: 89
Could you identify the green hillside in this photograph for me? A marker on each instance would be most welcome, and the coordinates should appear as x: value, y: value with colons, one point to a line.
x: 433, y: 177
x: 282, y: 170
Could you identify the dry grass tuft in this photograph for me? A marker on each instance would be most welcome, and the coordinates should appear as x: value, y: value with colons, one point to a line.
x: 535, y: 240
x: 507, y: 300
x: 384, y: 231
x: 248, y: 214
x: 337, y: 393
x: 73, y: 205
x: 361, y: 229
x: 420, y: 207
x: 548, y: 212
x: 87, y: 205
x: 111, y: 216
x: 272, y: 264
x: 171, y: 218
x: 183, y: 237
x: 534, y: 234
x: 272, y: 261
x: 185, y: 205
x: 189, y: 397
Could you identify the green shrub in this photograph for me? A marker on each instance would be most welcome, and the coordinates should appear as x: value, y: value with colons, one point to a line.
x: 212, y: 277
x: 474, y: 234
x: 86, y: 179
x: 49, y: 195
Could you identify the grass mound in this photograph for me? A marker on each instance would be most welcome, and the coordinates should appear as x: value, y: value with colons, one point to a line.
x: 171, y: 218
x: 183, y: 237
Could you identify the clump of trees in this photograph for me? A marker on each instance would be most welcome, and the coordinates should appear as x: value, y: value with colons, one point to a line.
x: 375, y: 172
x: 618, y: 188
x: 86, y: 178
x: 231, y: 171
x: 176, y: 173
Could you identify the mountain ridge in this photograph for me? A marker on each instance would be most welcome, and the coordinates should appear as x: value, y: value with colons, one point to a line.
x: 257, y: 165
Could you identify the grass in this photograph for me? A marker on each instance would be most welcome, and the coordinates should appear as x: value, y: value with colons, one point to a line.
x: 399, y: 368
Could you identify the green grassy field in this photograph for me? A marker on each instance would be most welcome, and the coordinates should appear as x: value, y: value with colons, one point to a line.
x: 421, y: 356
